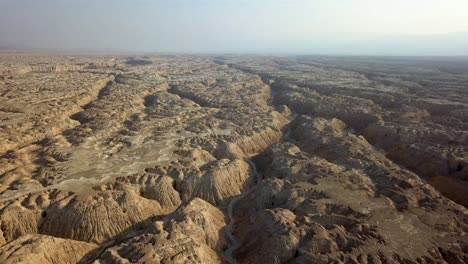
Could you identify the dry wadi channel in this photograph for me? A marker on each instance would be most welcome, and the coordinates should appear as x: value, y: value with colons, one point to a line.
x: 232, y: 159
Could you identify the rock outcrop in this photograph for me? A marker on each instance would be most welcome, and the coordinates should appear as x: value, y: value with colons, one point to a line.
x: 192, y: 234
x: 30, y: 249
x: 232, y: 159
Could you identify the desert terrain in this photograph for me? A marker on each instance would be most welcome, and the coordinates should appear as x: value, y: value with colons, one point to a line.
x: 233, y: 159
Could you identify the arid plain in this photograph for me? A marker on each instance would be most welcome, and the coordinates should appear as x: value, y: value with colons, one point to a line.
x: 233, y: 159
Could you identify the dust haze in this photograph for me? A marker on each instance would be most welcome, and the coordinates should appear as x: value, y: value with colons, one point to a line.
x: 233, y: 132
x: 358, y: 27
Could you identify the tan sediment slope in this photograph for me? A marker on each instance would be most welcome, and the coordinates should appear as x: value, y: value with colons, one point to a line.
x: 193, y: 159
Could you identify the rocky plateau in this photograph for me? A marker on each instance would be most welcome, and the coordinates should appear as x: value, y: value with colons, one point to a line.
x: 232, y: 159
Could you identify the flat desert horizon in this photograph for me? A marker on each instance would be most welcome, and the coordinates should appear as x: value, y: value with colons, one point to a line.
x: 285, y: 131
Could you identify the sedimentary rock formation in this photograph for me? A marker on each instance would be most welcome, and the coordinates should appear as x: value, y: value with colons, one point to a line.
x: 192, y: 234
x: 232, y: 159
x: 44, y: 249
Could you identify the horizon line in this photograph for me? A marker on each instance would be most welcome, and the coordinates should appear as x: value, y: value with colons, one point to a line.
x: 72, y: 51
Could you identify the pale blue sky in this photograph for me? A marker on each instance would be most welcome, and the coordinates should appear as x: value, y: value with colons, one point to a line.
x: 384, y: 27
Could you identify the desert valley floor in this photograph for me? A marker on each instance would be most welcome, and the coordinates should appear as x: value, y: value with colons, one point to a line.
x: 233, y: 159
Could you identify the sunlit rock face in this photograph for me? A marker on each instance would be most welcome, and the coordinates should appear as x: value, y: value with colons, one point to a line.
x: 232, y: 159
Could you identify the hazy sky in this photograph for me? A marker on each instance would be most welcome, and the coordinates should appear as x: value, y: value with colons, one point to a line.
x: 387, y: 27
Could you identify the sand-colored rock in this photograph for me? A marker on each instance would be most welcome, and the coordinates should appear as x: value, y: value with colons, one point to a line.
x: 44, y: 249
x: 232, y: 159
x: 192, y: 234
x: 338, y: 201
x: 94, y: 217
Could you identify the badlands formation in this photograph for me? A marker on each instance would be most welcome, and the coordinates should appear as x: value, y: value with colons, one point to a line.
x: 232, y: 159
